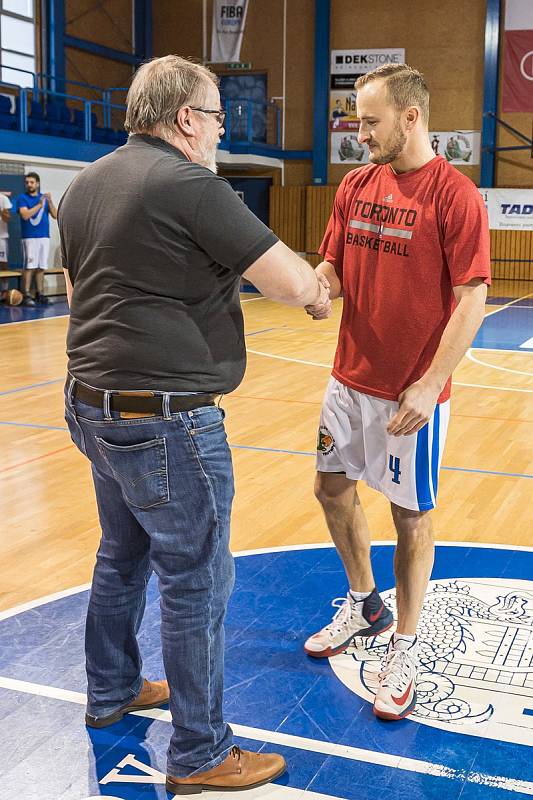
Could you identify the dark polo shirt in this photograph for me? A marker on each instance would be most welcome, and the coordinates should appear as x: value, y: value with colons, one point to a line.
x: 155, y: 247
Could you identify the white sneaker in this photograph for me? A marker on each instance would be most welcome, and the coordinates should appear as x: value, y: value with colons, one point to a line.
x: 396, y: 694
x: 366, y: 618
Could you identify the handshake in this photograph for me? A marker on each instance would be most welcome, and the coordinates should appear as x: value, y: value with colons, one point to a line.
x: 322, y: 308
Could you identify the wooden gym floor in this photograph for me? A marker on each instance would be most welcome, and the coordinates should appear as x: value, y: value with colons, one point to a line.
x: 49, y: 523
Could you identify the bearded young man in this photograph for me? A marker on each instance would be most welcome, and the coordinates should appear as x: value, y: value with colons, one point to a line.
x: 407, y: 247
x: 154, y: 245
x: 35, y: 210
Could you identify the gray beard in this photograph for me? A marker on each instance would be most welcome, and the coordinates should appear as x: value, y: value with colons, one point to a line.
x: 209, y: 159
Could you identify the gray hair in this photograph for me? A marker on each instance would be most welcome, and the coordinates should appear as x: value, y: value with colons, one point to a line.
x: 161, y: 87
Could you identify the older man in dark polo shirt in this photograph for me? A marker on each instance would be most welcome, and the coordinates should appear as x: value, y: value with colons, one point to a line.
x: 154, y: 245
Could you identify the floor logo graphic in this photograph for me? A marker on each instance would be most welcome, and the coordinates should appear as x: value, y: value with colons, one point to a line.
x: 476, y: 658
x: 476, y: 679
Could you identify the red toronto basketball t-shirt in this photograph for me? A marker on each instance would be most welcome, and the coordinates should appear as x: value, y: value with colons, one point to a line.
x: 399, y: 244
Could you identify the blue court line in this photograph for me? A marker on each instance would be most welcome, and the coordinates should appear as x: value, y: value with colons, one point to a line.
x: 271, y: 450
x: 287, y: 452
x: 32, y: 386
x: 34, y: 425
x: 265, y: 330
x: 449, y: 469
x: 528, y: 712
x: 489, y: 472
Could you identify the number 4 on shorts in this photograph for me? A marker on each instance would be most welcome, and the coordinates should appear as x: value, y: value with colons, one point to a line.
x: 394, y: 467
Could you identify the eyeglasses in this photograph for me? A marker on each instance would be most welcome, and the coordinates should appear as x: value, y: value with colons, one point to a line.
x: 220, y: 113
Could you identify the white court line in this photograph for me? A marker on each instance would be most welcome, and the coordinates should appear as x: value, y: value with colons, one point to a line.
x: 529, y: 342
x: 25, y: 321
x: 271, y: 791
x: 476, y: 360
x: 496, y: 388
x: 506, y: 305
x: 327, y: 748
x: 251, y: 299
x: 376, y: 757
x: 519, y: 308
x: 286, y: 358
x: 49, y: 598
x: 328, y: 366
x: 502, y: 349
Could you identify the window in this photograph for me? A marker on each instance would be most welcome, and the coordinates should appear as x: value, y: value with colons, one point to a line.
x: 17, y: 41
x: 244, y: 95
x: 22, y: 7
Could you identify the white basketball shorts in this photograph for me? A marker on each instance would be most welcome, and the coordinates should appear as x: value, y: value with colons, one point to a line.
x: 353, y: 438
x: 36, y: 253
x: 4, y: 252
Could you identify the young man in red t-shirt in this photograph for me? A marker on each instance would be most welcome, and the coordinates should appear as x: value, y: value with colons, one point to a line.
x: 407, y: 247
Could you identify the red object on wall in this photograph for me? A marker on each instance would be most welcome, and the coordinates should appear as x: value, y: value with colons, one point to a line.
x: 517, y: 90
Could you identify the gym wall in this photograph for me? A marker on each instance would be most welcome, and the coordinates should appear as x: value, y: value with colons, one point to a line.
x: 108, y: 24
x: 445, y: 41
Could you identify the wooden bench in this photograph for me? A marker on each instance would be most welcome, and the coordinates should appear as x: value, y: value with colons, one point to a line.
x: 60, y: 290
x: 10, y: 273
x: 16, y: 273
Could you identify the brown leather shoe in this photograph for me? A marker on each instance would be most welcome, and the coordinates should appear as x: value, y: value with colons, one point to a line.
x: 153, y: 694
x: 240, y: 770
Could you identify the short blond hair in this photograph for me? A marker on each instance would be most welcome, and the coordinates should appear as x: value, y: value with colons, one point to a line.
x: 405, y: 86
x: 159, y: 88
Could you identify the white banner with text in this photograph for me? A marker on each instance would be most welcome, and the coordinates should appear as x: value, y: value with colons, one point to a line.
x: 229, y: 19
x: 509, y: 209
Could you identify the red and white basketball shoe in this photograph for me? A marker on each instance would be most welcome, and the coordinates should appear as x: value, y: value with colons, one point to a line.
x: 365, y: 618
x: 396, y: 695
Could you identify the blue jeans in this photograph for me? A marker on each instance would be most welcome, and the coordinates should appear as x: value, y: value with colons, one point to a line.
x: 164, y: 489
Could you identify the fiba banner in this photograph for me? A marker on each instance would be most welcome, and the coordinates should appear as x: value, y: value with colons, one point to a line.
x: 509, y: 209
x: 517, y: 92
x: 229, y: 19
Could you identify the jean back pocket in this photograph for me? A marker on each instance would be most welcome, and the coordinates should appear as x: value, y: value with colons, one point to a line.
x: 141, y: 470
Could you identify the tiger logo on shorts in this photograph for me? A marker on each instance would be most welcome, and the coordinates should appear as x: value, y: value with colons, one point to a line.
x: 326, y: 442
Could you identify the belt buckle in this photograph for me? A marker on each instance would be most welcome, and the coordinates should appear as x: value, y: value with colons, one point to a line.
x: 135, y: 394
x: 136, y: 414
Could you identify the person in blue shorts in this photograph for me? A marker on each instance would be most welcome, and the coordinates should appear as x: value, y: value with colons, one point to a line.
x: 35, y: 210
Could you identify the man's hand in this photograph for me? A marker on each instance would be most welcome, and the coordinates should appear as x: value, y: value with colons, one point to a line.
x: 417, y: 404
x: 48, y: 196
x: 322, y: 309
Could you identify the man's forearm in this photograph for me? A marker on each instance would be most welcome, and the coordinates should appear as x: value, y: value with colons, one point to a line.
x: 26, y: 213
x: 283, y: 276
x: 310, y: 288
x: 456, y: 339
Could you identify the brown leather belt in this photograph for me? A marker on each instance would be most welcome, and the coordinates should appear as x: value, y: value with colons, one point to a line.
x: 142, y: 403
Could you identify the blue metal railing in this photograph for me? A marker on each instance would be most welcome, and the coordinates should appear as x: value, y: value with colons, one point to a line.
x: 247, y: 121
x: 24, y: 94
